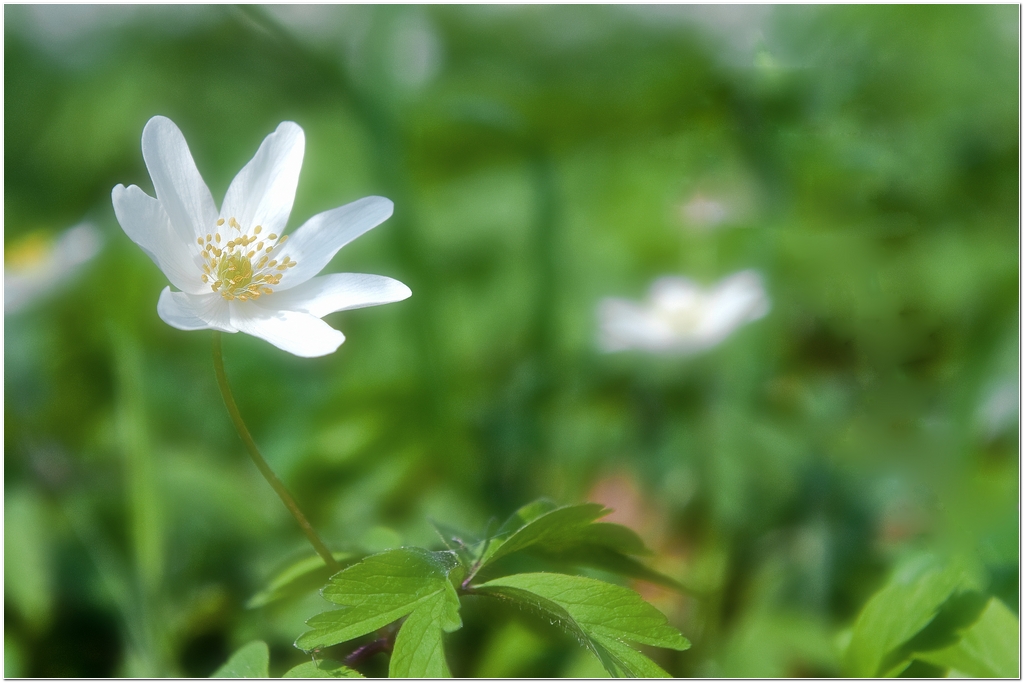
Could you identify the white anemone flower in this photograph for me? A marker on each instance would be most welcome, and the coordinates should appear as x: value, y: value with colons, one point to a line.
x: 233, y: 267
x: 679, y: 316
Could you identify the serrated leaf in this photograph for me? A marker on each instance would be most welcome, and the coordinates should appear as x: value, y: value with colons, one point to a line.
x: 901, y: 609
x: 381, y: 589
x: 622, y: 661
x: 249, y: 661
x: 419, y: 650
x: 524, y: 516
x: 554, y: 526
x: 325, y: 668
x: 301, y: 577
x: 988, y: 649
x: 570, y: 534
x: 604, y: 617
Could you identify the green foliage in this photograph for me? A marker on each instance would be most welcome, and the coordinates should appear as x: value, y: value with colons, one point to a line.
x: 419, y: 652
x: 602, y: 616
x: 27, y: 571
x: 380, y: 590
x: 898, y: 611
x: 298, y: 578
x: 988, y: 649
x: 249, y: 661
x: 930, y: 614
x: 322, y: 668
x: 424, y: 587
x: 571, y: 534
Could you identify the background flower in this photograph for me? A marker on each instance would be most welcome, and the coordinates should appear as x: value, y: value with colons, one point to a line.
x: 38, y: 264
x: 680, y: 316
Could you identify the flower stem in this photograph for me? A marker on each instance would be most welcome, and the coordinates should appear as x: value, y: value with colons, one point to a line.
x: 261, y: 464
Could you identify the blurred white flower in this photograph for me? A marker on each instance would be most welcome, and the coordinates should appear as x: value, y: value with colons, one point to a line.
x: 999, y: 412
x: 232, y: 267
x: 416, y: 53
x: 704, y: 212
x: 680, y: 316
x: 39, y: 265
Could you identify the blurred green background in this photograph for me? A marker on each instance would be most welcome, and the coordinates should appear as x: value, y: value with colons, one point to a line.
x: 864, y: 160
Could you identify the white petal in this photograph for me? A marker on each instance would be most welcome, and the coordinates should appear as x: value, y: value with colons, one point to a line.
x: 144, y: 221
x: 194, y: 312
x: 338, y: 292
x: 315, y: 243
x: 299, y: 333
x: 177, y: 182
x: 735, y: 300
x: 263, y: 192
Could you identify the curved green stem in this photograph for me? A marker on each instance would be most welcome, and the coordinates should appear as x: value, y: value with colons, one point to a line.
x: 261, y: 464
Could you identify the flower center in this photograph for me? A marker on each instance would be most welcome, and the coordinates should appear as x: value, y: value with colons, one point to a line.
x: 239, y: 271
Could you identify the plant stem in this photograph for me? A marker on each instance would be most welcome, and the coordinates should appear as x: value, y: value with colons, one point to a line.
x: 261, y: 464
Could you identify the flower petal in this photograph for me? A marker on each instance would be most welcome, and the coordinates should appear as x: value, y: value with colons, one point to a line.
x: 316, y: 242
x: 735, y: 300
x: 263, y: 192
x: 177, y: 182
x: 299, y: 333
x: 338, y: 292
x: 145, y: 222
x: 194, y: 312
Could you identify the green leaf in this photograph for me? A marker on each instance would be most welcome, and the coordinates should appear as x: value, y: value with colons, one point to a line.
x: 988, y: 649
x: 419, y: 651
x: 325, y: 668
x: 614, y: 537
x: 604, y: 617
x: 524, y: 516
x: 301, y: 577
x: 381, y: 589
x: 622, y: 661
x: 609, y: 560
x: 541, y: 525
x: 897, y: 612
x: 249, y: 661
x: 27, y: 571
x: 570, y: 534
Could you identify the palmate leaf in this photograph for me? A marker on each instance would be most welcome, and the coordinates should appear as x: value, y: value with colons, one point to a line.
x: 605, y: 618
x: 988, y: 649
x: 418, y: 651
x: 898, y: 612
x: 541, y: 526
x: 382, y: 589
x: 249, y: 661
x: 571, y: 535
x: 325, y: 668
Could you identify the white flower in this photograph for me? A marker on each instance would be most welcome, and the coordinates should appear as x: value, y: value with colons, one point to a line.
x: 234, y: 270
x: 680, y: 316
x: 705, y: 213
x: 37, y: 266
x: 1000, y: 410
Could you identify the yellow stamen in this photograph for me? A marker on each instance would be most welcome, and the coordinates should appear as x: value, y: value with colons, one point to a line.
x: 220, y: 221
